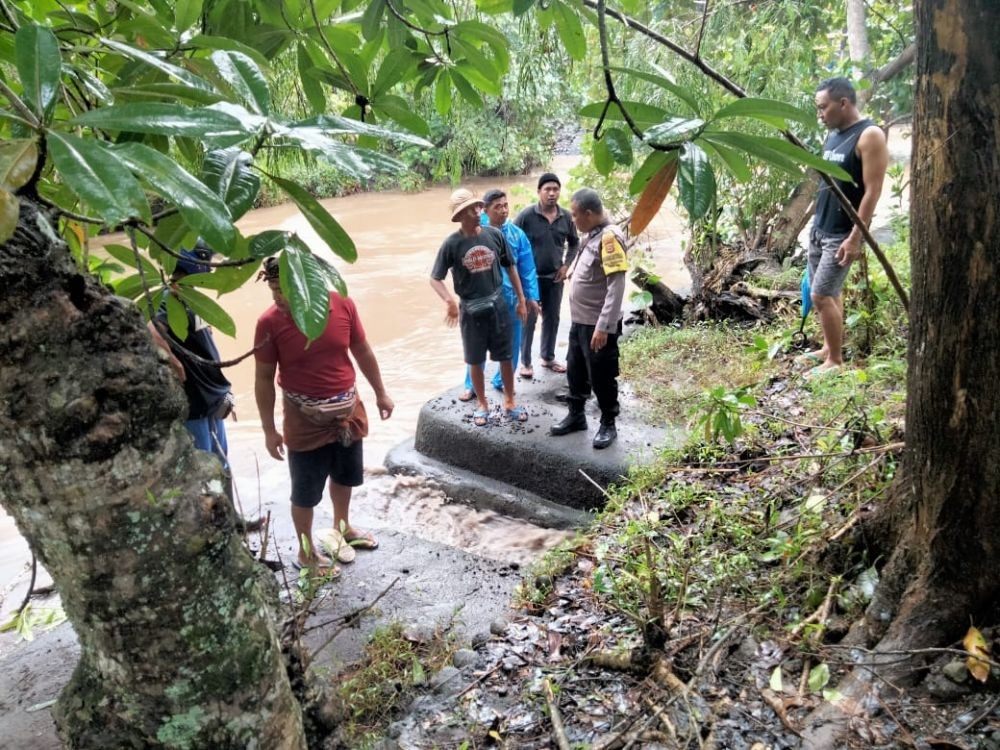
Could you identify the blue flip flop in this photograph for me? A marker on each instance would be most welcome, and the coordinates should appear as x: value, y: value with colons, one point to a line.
x: 517, y: 414
x: 480, y: 417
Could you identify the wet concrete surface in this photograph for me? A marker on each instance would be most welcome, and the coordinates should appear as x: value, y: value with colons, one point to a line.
x: 482, y: 492
x: 566, y: 470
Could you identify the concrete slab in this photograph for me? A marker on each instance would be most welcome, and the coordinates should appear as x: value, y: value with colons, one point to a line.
x: 525, y: 456
x: 481, y: 492
x: 438, y: 587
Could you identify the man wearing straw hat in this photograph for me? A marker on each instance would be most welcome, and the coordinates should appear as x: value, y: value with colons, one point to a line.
x: 474, y: 255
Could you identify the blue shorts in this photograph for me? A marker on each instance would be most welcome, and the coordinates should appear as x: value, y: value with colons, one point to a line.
x: 343, y: 465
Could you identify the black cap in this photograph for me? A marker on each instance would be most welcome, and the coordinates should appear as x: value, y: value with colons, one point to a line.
x: 548, y: 177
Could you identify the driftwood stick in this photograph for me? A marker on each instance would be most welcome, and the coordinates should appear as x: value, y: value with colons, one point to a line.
x: 555, y: 717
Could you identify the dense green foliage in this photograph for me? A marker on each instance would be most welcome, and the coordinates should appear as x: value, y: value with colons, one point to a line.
x: 168, y: 120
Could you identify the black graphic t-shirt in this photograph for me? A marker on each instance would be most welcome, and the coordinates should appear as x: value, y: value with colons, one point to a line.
x: 841, y: 149
x: 474, y: 262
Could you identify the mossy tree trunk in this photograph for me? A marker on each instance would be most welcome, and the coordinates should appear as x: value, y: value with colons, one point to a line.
x: 178, y: 643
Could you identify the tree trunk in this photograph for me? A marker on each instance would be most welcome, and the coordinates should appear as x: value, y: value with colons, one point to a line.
x: 944, y: 570
x: 857, y: 34
x: 952, y: 462
x: 178, y: 643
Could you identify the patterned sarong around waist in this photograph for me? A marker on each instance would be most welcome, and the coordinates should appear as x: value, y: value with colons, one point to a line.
x: 311, y: 422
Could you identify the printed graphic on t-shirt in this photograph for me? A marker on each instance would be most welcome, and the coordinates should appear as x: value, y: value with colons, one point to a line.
x: 479, y: 259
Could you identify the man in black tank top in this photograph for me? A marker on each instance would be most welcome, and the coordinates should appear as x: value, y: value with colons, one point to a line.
x: 859, y: 147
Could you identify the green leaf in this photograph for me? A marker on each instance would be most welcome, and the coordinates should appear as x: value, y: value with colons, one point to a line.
x: 570, y: 30
x: 644, y: 115
x: 371, y: 21
x: 396, y: 64
x: 204, y: 41
x: 163, y: 118
x: 442, y: 93
x: 10, y: 211
x: 202, y: 209
x: 229, y: 174
x: 673, y: 130
x: 487, y: 71
x: 39, y: 64
x: 777, y: 152
x: 334, y: 125
x: 328, y: 229
x: 245, y: 78
x: 153, y: 61
x: 169, y: 91
x: 485, y: 33
x: 465, y: 89
x: 333, y: 276
x: 269, y: 242
x: 402, y: 112
x: 769, y: 111
x: 132, y: 287
x: 311, y: 86
x: 186, y: 13
x: 522, y: 6
x: 603, y: 162
x: 819, y: 677
x: 653, y: 164
x: 352, y: 160
x: 98, y: 178
x: 207, y: 309
x: 619, y: 143
x: 18, y: 159
x: 177, y: 317
x: 735, y: 162
x: 303, y: 283
x: 486, y: 84
x: 126, y: 257
x: 695, y: 181
x: 685, y: 95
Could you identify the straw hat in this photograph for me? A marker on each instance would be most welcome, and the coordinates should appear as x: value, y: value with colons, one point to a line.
x: 461, y: 199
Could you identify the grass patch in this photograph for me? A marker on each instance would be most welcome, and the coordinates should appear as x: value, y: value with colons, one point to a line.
x: 378, y: 687
x: 670, y: 368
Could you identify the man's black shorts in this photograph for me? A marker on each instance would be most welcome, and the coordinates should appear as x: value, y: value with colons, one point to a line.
x: 488, y: 331
x: 310, y: 470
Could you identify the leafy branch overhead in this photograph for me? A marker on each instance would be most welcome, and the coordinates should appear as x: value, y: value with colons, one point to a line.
x: 166, y: 119
x: 98, y: 139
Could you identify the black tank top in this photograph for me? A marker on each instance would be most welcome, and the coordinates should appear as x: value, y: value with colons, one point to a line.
x: 840, y: 149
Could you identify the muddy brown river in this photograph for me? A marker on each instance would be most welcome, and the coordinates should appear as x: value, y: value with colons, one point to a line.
x: 397, y: 235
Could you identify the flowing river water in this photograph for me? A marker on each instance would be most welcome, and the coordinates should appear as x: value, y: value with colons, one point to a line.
x: 397, y: 235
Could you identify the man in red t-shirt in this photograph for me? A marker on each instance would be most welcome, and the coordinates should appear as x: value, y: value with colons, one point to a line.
x: 324, y: 420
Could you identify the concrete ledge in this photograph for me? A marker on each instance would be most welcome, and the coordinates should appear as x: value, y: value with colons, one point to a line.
x: 524, y: 455
x: 483, y: 493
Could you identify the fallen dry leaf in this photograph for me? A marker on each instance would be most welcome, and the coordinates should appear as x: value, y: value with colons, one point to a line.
x: 977, y: 647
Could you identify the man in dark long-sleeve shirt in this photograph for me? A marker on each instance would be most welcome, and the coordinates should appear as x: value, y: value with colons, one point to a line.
x: 554, y: 243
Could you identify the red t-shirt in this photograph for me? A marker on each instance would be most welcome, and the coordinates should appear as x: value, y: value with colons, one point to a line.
x: 322, y: 370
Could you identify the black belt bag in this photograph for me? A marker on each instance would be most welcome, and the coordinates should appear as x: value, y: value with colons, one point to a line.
x: 481, y: 306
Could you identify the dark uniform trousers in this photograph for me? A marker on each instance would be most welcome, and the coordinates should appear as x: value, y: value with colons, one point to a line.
x: 588, y: 371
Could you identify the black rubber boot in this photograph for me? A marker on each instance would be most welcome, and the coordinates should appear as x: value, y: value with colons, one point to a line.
x: 570, y: 423
x: 605, y: 436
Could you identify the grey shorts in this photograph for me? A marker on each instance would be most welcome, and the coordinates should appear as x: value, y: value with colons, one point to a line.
x: 826, y: 277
